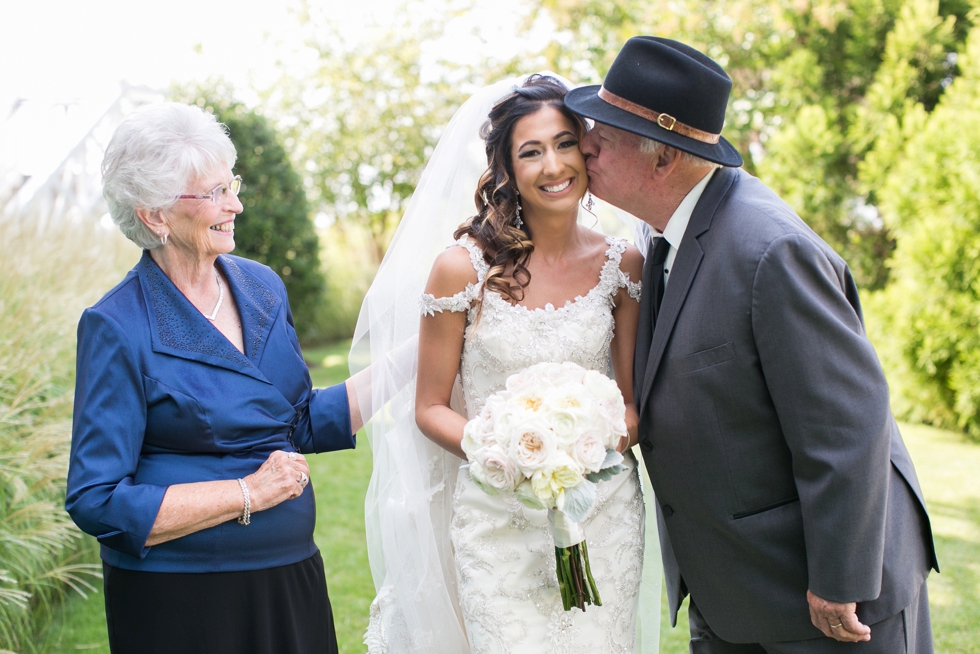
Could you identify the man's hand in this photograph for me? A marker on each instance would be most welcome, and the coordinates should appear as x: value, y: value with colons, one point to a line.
x: 837, y: 621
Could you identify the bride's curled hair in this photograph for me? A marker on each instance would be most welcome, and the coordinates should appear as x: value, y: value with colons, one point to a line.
x: 507, y: 247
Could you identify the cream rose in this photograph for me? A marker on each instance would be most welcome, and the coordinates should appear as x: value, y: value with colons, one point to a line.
x: 590, y: 451
x: 532, y: 446
x: 499, y: 471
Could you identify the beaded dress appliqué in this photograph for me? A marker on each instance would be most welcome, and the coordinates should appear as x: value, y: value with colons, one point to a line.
x: 504, y: 552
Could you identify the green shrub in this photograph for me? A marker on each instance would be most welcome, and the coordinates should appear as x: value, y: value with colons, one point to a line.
x: 932, y: 307
x: 47, y: 277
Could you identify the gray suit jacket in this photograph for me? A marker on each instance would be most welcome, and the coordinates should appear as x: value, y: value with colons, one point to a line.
x: 766, y: 429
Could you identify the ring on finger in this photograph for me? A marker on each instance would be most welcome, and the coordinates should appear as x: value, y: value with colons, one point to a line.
x: 303, y: 479
x: 292, y: 456
x: 837, y: 626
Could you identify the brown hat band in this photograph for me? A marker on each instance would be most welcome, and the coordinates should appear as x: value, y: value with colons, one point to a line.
x: 665, y: 121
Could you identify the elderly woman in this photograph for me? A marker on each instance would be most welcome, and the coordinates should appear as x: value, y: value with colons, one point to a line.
x: 192, y: 406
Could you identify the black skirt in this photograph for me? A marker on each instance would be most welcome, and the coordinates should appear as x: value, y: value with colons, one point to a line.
x: 282, y: 610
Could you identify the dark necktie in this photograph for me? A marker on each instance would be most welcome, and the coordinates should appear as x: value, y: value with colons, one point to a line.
x: 658, y: 255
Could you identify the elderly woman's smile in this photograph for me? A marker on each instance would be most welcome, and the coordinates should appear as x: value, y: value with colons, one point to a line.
x: 199, y: 226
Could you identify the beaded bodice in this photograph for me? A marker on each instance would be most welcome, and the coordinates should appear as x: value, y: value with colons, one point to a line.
x: 504, y: 338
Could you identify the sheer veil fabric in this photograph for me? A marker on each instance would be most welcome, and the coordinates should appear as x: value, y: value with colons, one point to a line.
x: 408, y: 508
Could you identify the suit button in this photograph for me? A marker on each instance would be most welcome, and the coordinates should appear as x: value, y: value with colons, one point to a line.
x: 646, y: 446
x: 668, y: 511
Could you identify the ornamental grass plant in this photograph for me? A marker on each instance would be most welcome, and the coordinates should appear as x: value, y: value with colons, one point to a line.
x: 48, y: 275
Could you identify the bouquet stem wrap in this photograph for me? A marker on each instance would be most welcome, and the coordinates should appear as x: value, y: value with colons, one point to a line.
x: 575, y: 579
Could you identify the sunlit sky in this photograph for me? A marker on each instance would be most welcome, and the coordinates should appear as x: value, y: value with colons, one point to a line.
x: 76, y: 53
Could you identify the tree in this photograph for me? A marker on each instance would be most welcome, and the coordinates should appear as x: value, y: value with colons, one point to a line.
x: 817, y: 85
x: 364, y: 120
x: 931, y: 200
x: 275, y: 228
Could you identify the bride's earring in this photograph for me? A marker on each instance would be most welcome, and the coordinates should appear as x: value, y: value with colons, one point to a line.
x: 589, y: 203
x: 518, y: 223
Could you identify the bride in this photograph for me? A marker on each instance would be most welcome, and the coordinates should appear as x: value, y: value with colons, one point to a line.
x: 458, y: 570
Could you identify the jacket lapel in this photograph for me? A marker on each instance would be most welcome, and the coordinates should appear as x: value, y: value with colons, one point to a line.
x: 178, y: 329
x: 685, y: 268
x: 258, y: 307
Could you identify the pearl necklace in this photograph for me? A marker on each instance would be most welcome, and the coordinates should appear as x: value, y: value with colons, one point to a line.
x: 221, y: 297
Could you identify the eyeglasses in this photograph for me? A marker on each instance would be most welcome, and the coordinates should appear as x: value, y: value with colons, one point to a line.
x: 219, y: 195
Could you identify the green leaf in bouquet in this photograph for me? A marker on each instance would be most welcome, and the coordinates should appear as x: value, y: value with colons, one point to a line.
x: 613, y: 458
x: 605, y: 473
x: 576, y: 501
x: 525, y: 495
x: 612, y: 466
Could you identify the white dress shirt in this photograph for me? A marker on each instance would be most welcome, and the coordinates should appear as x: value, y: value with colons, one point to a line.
x: 677, y: 225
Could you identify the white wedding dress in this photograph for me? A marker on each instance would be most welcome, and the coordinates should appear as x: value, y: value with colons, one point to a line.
x: 504, y: 553
x: 457, y: 571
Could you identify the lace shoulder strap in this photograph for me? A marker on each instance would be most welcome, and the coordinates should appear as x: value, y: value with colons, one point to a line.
x: 429, y: 305
x: 476, y: 257
x: 612, y: 278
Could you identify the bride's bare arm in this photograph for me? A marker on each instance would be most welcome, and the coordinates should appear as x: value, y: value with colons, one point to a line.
x: 627, y: 314
x: 440, y: 349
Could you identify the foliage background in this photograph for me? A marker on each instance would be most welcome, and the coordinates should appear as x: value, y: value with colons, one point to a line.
x: 41, y: 552
x: 863, y: 114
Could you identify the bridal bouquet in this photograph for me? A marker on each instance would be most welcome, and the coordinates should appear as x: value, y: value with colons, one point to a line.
x: 549, y: 438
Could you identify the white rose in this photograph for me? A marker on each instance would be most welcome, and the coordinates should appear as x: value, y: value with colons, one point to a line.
x: 506, y: 420
x: 566, y: 373
x: 473, y: 437
x: 601, y: 387
x: 476, y: 473
x: 613, y: 415
x: 532, y: 446
x: 564, y: 424
x: 528, y: 402
x: 590, y: 451
x: 578, y: 402
x: 499, y: 471
x: 522, y: 381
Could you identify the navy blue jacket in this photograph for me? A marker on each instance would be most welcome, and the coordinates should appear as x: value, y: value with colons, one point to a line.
x: 162, y: 397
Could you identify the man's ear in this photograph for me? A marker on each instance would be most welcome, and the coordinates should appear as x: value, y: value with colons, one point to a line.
x: 666, y: 162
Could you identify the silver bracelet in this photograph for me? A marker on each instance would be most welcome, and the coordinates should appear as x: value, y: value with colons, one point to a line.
x: 246, y: 516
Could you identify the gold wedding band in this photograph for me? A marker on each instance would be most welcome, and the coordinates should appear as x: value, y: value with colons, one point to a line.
x: 837, y: 626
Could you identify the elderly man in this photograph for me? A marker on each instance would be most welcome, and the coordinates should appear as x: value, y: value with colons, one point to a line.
x: 788, y: 505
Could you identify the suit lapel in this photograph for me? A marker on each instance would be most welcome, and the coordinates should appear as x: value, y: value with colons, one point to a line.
x: 178, y: 329
x: 682, y: 274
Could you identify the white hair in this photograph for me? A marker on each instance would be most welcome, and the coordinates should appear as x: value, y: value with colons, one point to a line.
x: 155, y: 153
x: 654, y: 148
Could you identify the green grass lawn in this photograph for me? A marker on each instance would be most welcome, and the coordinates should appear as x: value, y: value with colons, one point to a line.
x: 948, y: 469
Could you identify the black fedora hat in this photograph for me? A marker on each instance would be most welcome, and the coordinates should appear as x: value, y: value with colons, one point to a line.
x: 666, y: 91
